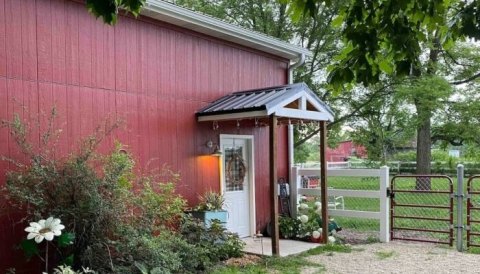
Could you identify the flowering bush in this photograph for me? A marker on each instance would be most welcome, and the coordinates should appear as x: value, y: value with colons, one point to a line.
x: 310, y: 220
x: 308, y: 224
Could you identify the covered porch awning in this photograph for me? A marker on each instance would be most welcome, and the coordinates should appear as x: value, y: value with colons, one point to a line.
x: 293, y: 103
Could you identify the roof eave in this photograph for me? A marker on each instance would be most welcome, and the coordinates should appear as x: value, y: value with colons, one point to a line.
x: 188, y: 19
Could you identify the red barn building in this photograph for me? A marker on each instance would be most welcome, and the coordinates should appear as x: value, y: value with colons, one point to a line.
x: 345, y: 150
x: 156, y: 71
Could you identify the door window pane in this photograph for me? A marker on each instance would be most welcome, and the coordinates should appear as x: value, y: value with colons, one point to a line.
x: 235, y: 169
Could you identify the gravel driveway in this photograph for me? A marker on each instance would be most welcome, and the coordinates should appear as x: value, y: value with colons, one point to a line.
x: 398, y: 257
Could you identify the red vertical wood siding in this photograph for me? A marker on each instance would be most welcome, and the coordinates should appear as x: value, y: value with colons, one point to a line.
x: 151, y: 74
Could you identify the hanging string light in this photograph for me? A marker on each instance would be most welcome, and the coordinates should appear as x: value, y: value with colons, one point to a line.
x: 215, y: 125
x: 238, y: 126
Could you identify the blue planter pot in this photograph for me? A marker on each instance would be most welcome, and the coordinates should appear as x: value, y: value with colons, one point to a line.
x: 208, y: 216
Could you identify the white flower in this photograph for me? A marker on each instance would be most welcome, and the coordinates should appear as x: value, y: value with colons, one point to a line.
x: 44, y: 229
x: 320, y: 230
x: 318, y: 204
x: 331, y: 239
x: 303, y: 198
x: 304, y: 218
x: 316, y: 234
x: 303, y: 206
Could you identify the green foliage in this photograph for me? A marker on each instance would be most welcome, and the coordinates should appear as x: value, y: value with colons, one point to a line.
x: 68, y: 270
x: 386, y: 37
x: 407, y: 156
x: 109, y: 9
x: 307, y: 222
x: 458, y: 123
x: 218, y: 243
x: 384, y: 126
x: 328, y: 248
x: 94, y: 197
x: 65, y: 239
x: 156, y: 204
x: 301, y: 154
x: 429, y: 92
x: 164, y: 253
x: 472, y: 152
x: 288, y: 227
x: 30, y: 248
x: 266, y: 16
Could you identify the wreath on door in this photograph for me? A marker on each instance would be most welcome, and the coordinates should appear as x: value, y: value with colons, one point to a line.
x: 236, y: 169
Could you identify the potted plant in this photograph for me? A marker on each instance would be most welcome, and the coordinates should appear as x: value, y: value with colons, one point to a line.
x: 211, y: 208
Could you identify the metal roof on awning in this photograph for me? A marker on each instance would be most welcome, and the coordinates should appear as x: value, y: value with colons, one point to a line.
x: 295, y: 101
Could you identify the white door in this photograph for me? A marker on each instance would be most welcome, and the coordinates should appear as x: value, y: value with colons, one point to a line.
x: 236, y: 183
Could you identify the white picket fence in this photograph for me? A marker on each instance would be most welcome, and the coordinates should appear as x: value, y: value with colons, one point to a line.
x: 383, y: 174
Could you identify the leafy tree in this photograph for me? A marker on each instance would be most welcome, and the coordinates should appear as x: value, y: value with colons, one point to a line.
x: 399, y: 38
x: 384, y: 126
x: 459, y: 123
x: 108, y: 9
x: 387, y: 36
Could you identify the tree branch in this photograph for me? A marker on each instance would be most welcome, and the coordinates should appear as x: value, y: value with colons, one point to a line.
x: 473, y: 77
x: 351, y: 114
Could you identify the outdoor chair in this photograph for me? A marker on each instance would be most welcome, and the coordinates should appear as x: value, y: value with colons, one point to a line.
x: 336, y: 202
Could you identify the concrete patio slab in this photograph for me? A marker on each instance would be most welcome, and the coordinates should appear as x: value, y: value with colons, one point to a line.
x: 287, y: 247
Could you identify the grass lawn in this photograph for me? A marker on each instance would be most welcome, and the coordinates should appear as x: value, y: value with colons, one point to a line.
x: 288, y: 265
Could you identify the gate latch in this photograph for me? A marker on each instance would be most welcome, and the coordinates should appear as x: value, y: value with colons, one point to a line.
x: 390, y: 193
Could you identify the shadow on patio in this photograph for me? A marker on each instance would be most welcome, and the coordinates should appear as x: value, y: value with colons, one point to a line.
x: 263, y: 246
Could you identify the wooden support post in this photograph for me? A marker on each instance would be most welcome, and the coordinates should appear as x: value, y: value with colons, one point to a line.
x: 273, y: 186
x: 323, y: 180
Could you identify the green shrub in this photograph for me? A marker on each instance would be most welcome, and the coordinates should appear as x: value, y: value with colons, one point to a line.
x: 288, y: 227
x: 86, y: 198
x: 216, y: 240
x: 407, y: 156
x: 123, y: 222
x: 167, y: 252
x: 92, y: 194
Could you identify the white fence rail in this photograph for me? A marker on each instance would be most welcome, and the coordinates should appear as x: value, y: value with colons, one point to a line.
x: 394, y: 166
x: 297, y: 190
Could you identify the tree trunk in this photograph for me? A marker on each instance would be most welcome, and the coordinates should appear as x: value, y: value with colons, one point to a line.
x: 424, y: 144
x: 424, y: 134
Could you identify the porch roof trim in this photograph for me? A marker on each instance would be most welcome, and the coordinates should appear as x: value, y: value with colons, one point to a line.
x: 294, y: 101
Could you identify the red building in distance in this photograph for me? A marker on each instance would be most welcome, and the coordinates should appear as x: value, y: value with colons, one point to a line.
x: 344, y: 151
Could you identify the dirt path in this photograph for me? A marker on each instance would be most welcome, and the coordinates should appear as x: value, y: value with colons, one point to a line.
x: 398, y: 257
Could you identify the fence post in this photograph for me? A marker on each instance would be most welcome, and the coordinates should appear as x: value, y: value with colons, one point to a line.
x: 294, y: 185
x: 384, y: 205
x: 460, y: 174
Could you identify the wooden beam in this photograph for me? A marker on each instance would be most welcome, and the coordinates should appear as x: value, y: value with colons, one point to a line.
x: 273, y: 186
x: 323, y: 180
